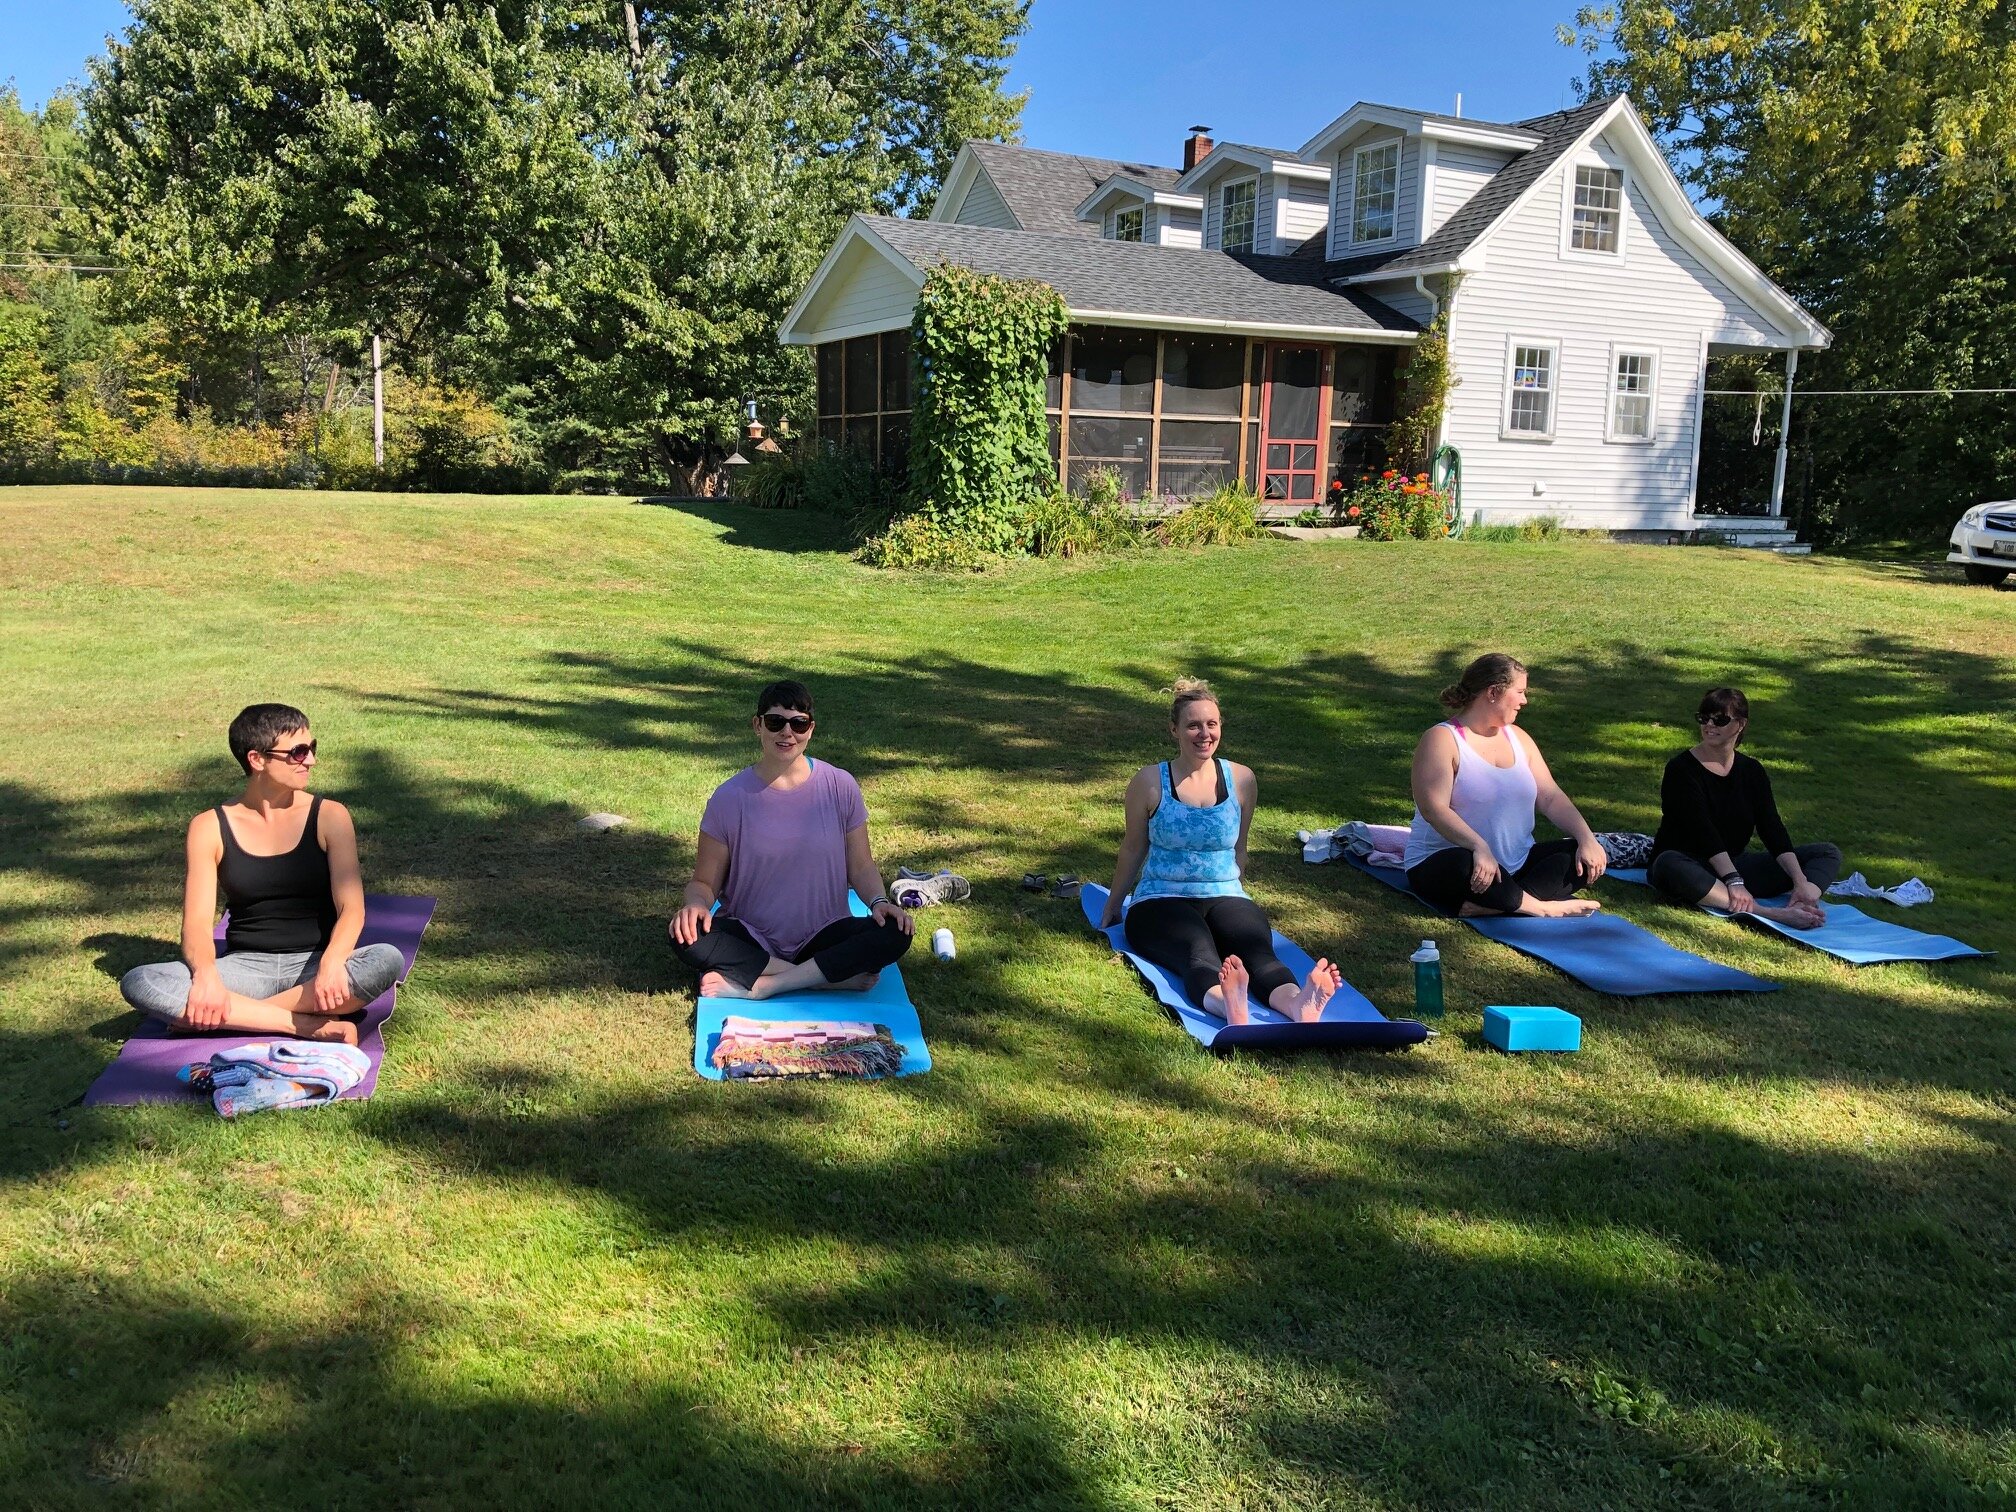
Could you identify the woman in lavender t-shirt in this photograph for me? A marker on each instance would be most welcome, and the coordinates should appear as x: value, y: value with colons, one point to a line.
x: 780, y: 844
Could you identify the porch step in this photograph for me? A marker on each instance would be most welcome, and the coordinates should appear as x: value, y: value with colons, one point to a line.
x: 1758, y: 532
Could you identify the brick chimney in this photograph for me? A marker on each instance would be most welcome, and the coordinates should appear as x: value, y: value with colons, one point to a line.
x: 1197, y: 147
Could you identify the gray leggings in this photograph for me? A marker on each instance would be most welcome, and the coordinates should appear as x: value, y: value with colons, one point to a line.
x: 163, y: 990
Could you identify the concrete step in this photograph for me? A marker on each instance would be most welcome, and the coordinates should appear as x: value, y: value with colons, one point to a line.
x: 1754, y: 531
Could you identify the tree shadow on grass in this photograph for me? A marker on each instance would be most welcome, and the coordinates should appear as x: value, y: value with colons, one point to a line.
x: 791, y: 532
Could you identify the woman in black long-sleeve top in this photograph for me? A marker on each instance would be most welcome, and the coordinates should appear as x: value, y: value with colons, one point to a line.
x: 1712, y: 800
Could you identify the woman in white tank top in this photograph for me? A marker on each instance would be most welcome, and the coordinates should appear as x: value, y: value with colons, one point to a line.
x: 1478, y: 781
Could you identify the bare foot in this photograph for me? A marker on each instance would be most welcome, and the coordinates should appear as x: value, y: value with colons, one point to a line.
x: 715, y: 985
x: 859, y: 983
x: 1567, y: 908
x: 1324, y: 980
x: 1232, y: 984
x: 334, y: 1032
x: 1795, y: 916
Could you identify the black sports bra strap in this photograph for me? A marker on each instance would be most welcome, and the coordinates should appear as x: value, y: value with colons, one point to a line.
x: 1223, y: 791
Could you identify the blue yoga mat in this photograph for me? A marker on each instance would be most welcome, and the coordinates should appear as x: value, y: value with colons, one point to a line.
x: 1600, y: 950
x: 887, y: 1003
x: 1849, y: 934
x: 1349, y: 1021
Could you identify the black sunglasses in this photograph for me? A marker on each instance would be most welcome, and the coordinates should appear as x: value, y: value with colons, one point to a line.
x: 296, y: 755
x: 775, y: 723
x: 1717, y: 720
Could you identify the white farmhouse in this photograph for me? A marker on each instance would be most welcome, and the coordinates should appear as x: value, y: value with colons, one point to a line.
x: 1244, y: 316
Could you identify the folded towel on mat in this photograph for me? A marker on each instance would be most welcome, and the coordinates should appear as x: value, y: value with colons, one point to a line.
x: 750, y: 1049
x: 276, y: 1074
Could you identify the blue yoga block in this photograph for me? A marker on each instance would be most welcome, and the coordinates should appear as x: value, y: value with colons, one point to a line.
x: 1514, y: 1029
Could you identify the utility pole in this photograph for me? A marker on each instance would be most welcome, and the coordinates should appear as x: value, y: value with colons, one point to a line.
x: 378, y: 405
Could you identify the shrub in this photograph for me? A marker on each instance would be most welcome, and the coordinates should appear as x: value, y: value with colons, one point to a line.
x: 1219, y: 519
x: 772, y: 483
x: 923, y: 541
x: 1539, y: 528
x: 1064, y: 525
x: 1395, y: 507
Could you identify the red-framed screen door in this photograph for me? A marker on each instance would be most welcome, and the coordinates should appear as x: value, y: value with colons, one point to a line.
x: 1291, y: 410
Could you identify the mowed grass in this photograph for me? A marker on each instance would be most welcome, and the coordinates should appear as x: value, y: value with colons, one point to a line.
x: 1739, y: 1252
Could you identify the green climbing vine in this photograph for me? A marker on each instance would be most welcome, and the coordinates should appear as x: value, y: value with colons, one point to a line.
x: 979, y: 443
x: 1424, y: 397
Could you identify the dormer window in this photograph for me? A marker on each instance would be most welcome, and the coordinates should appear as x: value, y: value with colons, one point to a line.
x: 1375, y: 193
x: 1599, y: 211
x: 1127, y: 225
x: 1236, y: 202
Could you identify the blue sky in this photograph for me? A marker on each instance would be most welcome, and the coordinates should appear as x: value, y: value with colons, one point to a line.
x: 1125, y: 78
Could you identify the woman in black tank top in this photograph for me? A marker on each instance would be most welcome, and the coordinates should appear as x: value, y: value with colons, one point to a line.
x: 291, y: 962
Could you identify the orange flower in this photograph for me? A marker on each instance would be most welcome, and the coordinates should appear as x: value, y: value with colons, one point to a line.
x: 1353, y: 511
x: 1389, y: 473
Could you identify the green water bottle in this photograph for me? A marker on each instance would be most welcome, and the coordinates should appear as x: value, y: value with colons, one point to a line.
x: 1427, y: 980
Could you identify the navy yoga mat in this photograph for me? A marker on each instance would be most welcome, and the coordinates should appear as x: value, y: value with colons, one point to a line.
x: 1600, y: 950
x: 1349, y: 1021
x: 1849, y: 934
x: 144, y: 1070
x: 886, y: 1003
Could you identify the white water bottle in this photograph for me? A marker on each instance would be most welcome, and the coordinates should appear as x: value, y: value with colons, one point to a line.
x: 941, y: 944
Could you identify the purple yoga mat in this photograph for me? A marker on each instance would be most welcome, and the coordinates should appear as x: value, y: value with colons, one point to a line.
x: 144, y: 1070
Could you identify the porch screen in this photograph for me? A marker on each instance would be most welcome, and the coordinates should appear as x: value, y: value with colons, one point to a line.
x: 864, y: 397
x: 1202, y: 377
x: 1362, y: 400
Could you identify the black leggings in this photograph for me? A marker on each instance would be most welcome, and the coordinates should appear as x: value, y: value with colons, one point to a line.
x: 1551, y: 874
x: 845, y: 948
x: 1192, y: 937
x: 1683, y: 879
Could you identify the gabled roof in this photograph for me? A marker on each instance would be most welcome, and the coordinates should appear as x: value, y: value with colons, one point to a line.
x: 1558, y: 133
x: 1043, y: 190
x: 1130, y: 283
x: 1281, y: 160
x: 1516, y: 137
x: 1457, y: 243
x: 1122, y: 184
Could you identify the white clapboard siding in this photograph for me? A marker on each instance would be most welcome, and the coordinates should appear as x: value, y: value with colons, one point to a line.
x: 1263, y: 215
x: 863, y: 292
x: 1401, y: 294
x: 1301, y: 210
x: 1660, y: 299
x: 982, y: 205
x: 1343, y: 185
x: 1179, y: 228
x: 1460, y: 172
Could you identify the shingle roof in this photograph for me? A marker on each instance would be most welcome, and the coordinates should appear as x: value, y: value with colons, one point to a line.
x: 1134, y: 278
x: 1558, y: 132
x: 1045, y: 189
x: 1285, y: 154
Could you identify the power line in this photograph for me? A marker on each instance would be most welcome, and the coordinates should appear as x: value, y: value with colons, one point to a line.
x: 1799, y: 393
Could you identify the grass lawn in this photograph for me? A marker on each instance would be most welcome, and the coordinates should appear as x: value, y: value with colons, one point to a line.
x: 1739, y: 1252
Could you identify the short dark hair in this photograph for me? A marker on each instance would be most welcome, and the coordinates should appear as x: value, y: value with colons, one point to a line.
x: 1728, y: 701
x: 785, y: 693
x: 258, y: 726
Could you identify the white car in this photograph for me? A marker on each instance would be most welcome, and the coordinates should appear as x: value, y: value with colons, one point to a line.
x: 1984, y: 542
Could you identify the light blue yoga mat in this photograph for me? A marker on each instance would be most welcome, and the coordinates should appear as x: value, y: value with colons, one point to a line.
x: 1849, y: 934
x: 1349, y: 1021
x: 1600, y: 950
x: 887, y: 1003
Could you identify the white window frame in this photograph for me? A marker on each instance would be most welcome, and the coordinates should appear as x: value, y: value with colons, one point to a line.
x: 1140, y: 214
x: 1395, y: 146
x: 1552, y: 346
x: 1610, y: 431
x: 1624, y: 194
x: 1225, y: 218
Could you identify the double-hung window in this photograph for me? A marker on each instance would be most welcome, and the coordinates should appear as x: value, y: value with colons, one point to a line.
x: 1235, y: 225
x: 1375, y: 192
x: 1596, y: 221
x: 1532, y: 376
x: 1127, y: 225
x: 1634, y: 386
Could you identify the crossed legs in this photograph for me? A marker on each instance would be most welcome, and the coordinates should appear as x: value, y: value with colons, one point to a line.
x: 848, y: 955
x: 267, y: 993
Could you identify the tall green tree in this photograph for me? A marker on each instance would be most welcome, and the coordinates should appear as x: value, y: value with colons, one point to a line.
x: 600, y: 210
x: 1864, y: 151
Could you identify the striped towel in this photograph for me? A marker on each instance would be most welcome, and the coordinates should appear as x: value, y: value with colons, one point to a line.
x: 753, y: 1048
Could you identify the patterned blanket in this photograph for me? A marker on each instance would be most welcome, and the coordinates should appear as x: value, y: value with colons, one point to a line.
x: 754, y: 1048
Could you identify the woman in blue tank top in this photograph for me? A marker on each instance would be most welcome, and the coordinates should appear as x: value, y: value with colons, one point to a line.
x: 1183, y: 858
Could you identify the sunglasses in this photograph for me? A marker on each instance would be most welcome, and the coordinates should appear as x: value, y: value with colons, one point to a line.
x: 1717, y: 720
x: 296, y: 755
x: 775, y: 723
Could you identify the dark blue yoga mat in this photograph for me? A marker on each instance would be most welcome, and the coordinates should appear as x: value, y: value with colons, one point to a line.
x: 1849, y: 934
x: 886, y: 1003
x: 1600, y: 950
x: 1349, y: 1021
